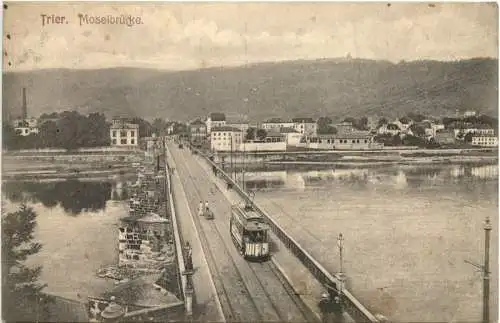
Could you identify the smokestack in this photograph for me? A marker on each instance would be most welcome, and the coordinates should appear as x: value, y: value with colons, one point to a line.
x: 24, y: 108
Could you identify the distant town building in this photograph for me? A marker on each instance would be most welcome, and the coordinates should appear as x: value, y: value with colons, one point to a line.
x: 276, y: 124
x: 243, y: 126
x: 215, y: 119
x: 225, y: 138
x: 391, y: 128
x: 485, y: 140
x: 477, y: 129
x: 292, y: 136
x: 403, y: 124
x: 198, y: 132
x: 274, y: 136
x: 470, y: 113
x: 305, y: 126
x: 344, y: 127
x: 124, y: 133
x: 360, y: 140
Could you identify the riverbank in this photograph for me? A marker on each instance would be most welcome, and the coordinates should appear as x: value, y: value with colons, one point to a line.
x: 378, y: 157
x: 42, y: 169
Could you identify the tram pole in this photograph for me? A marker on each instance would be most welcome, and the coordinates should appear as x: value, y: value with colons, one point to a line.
x: 243, y: 170
x: 231, y: 157
x: 486, y: 273
x: 340, y: 243
x: 485, y: 269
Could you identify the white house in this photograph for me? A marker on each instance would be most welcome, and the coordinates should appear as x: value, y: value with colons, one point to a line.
x: 470, y: 113
x: 403, y: 123
x: 26, y: 131
x: 215, y: 119
x: 26, y: 127
x: 390, y: 128
x: 485, y: 140
x: 292, y: 136
x: 124, y: 133
x: 276, y: 124
x: 479, y: 129
x: 347, y: 141
x: 225, y: 138
x: 305, y: 126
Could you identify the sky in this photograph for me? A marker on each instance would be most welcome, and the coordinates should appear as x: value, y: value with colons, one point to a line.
x: 184, y: 36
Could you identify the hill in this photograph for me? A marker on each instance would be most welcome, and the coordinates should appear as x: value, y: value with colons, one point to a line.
x: 337, y: 87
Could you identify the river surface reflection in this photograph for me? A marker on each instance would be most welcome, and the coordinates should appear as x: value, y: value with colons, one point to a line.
x: 408, y: 230
x: 77, y: 225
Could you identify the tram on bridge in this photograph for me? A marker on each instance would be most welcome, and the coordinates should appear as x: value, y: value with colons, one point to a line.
x: 249, y: 232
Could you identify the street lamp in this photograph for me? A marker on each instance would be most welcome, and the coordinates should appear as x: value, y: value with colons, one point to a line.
x: 485, y: 268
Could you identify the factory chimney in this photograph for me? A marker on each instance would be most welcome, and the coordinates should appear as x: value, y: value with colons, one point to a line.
x: 24, y: 108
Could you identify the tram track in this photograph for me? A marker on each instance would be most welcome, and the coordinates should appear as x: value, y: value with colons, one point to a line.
x: 286, y: 290
x: 236, y: 306
x: 267, y: 295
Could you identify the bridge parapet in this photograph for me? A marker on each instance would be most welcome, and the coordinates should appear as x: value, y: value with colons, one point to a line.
x: 354, y: 307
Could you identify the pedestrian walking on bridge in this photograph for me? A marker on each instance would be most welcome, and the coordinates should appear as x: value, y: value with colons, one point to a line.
x: 200, y: 209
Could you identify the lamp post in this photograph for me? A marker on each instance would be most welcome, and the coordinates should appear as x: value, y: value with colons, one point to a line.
x: 485, y: 268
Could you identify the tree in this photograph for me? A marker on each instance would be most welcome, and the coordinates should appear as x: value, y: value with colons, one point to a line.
x: 22, y: 298
x: 329, y: 131
x: 468, y: 137
x: 68, y: 131
x: 159, y: 127
x: 417, y: 130
x: 323, y: 124
x: 99, y: 130
x: 10, y: 137
x: 261, y: 134
x: 251, y: 133
x: 417, y: 117
x: 410, y: 140
x: 362, y: 123
x: 145, y: 129
x: 48, y: 133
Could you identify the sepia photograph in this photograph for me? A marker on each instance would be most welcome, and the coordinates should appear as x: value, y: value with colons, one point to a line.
x: 322, y: 162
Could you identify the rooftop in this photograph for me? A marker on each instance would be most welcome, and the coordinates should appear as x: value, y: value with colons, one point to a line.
x: 124, y: 125
x: 350, y: 135
x: 225, y: 128
x: 276, y: 120
x: 217, y: 116
x: 392, y: 126
x: 487, y: 135
x: 304, y: 120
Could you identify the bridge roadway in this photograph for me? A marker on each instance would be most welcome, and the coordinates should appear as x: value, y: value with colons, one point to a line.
x: 247, y: 291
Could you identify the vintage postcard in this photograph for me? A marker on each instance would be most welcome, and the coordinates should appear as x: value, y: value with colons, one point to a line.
x: 250, y: 162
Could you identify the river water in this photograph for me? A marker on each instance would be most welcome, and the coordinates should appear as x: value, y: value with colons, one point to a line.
x: 77, y: 225
x: 408, y: 231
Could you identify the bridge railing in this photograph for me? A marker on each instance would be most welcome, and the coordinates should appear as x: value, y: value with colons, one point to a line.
x: 355, y: 309
x: 179, y: 250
